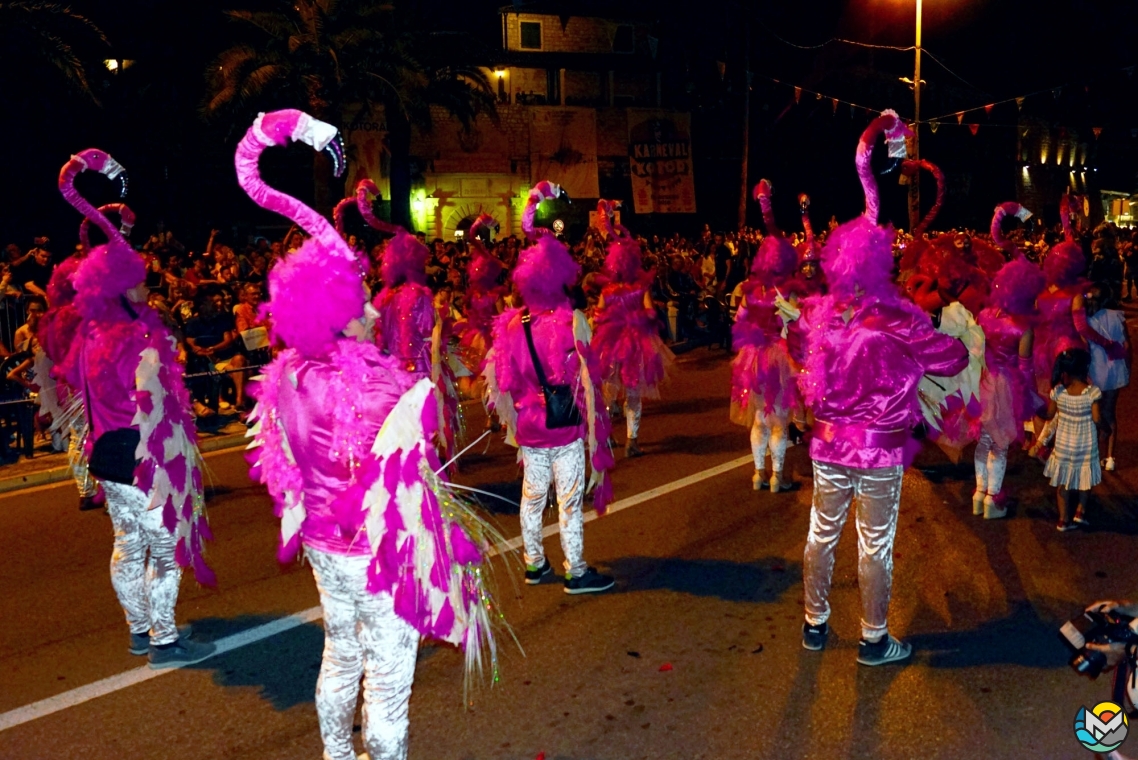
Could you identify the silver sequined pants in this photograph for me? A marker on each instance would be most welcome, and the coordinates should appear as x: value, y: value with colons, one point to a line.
x: 143, y: 571
x: 83, y: 479
x: 769, y: 431
x: 363, y: 637
x: 564, y: 466
x: 633, y: 406
x: 878, y: 493
x: 991, y: 463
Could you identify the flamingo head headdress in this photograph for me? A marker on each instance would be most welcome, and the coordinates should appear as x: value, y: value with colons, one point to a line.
x: 545, y: 269
x: 316, y: 291
x: 404, y: 257
x: 858, y: 257
x: 1065, y: 262
x: 483, y: 270
x: 622, y: 257
x: 110, y: 270
x: 776, y: 259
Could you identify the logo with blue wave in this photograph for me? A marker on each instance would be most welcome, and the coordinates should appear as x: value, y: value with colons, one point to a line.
x: 1102, y: 728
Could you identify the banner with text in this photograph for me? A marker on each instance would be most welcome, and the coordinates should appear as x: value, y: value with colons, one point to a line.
x: 563, y: 149
x: 659, y: 151
x: 365, y: 142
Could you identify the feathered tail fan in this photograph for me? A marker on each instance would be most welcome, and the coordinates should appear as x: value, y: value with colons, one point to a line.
x: 599, y: 428
x: 170, y: 465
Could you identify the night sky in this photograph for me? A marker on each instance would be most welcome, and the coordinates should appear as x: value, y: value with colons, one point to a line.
x: 996, y: 49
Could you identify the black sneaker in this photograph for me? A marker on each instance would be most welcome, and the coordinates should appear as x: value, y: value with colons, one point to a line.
x: 140, y: 642
x: 181, y: 652
x: 591, y: 582
x: 535, y: 574
x: 814, y: 636
x: 883, y: 651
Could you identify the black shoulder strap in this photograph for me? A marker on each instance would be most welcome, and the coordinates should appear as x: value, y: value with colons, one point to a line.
x: 533, y: 351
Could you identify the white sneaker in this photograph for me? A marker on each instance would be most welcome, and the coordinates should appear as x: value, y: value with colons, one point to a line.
x: 1110, y: 464
x: 977, y: 502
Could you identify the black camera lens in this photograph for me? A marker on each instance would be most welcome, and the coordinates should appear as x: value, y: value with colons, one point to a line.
x: 1088, y: 662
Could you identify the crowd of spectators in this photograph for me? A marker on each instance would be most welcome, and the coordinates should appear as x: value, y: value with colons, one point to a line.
x: 210, y: 295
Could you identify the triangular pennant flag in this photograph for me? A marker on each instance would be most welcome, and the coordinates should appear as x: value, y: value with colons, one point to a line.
x: 934, y: 125
x: 834, y: 103
x: 797, y: 94
x: 973, y: 128
x: 817, y: 96
x: 1097, y: 131
x: 722, y: 68
x: 960, y: 118
x: 1019, y: 102
x: 988, y: 108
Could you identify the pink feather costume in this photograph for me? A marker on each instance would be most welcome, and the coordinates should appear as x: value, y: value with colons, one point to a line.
x: 864, y: 351
x: 762, y: 375
x: 482, y: 297
x: 626, y: 334
x: 126, y: 367
x: 809, y: 252
x: 341, y: 437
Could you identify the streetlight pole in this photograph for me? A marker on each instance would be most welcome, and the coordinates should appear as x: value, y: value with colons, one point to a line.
x: 915, y: 182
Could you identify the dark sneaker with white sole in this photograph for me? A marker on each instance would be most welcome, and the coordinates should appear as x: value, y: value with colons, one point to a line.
x: 591, y: 582
x: 534, y: 575
x: 814, y: 636
x: 140, y: 642
x: 179, y: 653
x: 883, y: 651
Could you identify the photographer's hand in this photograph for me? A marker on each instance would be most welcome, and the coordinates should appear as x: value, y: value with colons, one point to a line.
x: 1127, y: 608
x: 1115, y: 653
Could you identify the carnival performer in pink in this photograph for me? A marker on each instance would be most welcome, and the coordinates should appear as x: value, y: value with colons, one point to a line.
x: 544, y: 383
x: 484, y: 302
x: 341, y: 438
x: 864, y: 349
x: 809, y: 281
x: 763, y: 389
x: 1062, y: 318
x: 1007, y: 388
x: 626, y: 329
x: 408, y: 326
x: 56, y: 336
x: 142, y: 444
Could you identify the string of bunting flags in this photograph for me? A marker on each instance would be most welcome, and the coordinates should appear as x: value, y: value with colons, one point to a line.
x: 945, y: 119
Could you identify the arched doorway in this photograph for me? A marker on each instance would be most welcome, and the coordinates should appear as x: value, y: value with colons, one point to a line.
x: 461, y: 217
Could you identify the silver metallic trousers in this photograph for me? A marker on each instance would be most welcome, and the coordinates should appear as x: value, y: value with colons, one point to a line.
x: 991, y: 463
x: 633, y: 406
x: 769, y: 431
x: 564, y: 466
x: 143, y: 571
x: 878, y: 493
x: 363, y: 637
x: 84, y: 481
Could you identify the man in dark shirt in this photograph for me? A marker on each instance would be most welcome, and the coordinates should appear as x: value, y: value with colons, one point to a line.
x: 34, y: 274
x: 212, y: 345
x: 722, y: 263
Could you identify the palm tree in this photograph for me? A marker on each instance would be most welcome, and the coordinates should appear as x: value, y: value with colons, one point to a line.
x: 331, y: 57
x: 41, y: 33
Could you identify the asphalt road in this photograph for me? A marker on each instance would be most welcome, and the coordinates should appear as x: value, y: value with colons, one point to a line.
x: 695, y: 654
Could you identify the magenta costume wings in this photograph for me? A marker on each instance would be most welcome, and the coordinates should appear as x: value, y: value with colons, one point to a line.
x: 124, y: 362
x: 482, y: 297
x: 626, y: 333
x: 562, y: 339
x: 762, y: 376
x: 863, y: 348
x: 342, y: 432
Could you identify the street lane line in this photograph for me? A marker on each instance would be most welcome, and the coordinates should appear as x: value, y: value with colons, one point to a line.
x: 78, y: 696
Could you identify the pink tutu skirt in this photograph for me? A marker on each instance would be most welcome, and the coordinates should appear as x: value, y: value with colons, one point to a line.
x: 762, y: 382
x: 632, y: 356
x: 1007, y: 401
x: 473, y: 345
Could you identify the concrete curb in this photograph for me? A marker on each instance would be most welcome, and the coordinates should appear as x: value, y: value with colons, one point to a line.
x: 60, y: 474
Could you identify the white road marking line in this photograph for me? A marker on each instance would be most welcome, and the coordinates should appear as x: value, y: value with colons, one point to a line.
x: 78, y: 696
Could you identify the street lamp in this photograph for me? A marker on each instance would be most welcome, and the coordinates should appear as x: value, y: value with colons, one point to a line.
x: 915, y: 184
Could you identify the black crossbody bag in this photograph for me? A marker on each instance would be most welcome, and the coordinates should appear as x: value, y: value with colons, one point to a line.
x: 561, y: 409
x: 113, y: 455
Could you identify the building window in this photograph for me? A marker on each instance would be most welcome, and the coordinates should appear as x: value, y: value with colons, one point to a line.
x: 531, y: 35
x: 622, y: 41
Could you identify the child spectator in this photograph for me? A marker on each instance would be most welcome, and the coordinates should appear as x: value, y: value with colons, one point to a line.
x: 1108, y: 375
x: 1074, y: 464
